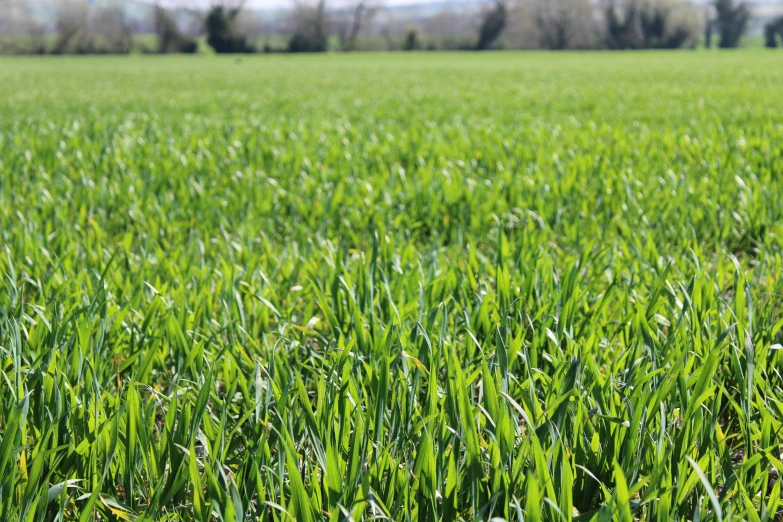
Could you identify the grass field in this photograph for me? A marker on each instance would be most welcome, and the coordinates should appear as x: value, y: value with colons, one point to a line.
x: 430, y: 287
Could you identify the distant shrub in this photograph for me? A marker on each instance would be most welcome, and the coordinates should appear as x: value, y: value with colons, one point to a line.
x: 647, y: 25
x: 732, y: 22
x: 98, y: 31
x: 223, y: 34
x: 170, y: 38
x: 454, y: 44
x: 411, y: 42
x: 659, y: 31
x: 773, y: 32
x: 492, y: 26
x: 31, y: 47
x: 302, y: 42
x: 621, y: 29
x: 71, y: 25
x: 350, y: 21
x: 563, y: 24
x: 309, y: 30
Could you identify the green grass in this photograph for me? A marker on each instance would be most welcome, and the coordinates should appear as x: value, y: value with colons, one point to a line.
x: 429, y: 287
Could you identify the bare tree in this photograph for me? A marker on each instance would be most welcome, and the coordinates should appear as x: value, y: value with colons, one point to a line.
x: 353, y: 18
x: 387, y: 37
x: 309, y: 31
x: 16, y: 20
x: 109, y: 24
x: 565, y: 24
x: 83, y: 29
x: 452, y: 29
x: 522, y: 31
x: 170, y: 38
x: 553, y: 24
x: 7, y: 16
x: 709, y: 27
x: 71, y: 25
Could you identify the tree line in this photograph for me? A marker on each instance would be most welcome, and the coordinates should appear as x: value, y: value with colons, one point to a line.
x: 319, y: 26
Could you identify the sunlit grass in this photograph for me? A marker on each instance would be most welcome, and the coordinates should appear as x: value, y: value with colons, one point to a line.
x: 430, y: 287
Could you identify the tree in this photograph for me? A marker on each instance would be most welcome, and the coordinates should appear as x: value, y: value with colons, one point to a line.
x: 390, y: 45
x: 772, y: 32
x: 412, y: 41
x: 659, y: 30
x: 110, y: 31
x: 732, y: 22
x: 222, y: 29
x: 170, y: 38
x: 71, y: 20
x: 564, y: 24
x: 450, y: 29
x: 522, y: 31
x: 6, y: 15
x: 17, y: 19
x: 309, y: 34
x: 492, y: 25
x: 622, y: 28
x: 85, y: 29
x: 647, y: 24
x: 708, y: 29
x: 359, y: 13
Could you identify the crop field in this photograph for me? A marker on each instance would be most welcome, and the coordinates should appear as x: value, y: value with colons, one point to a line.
x: 422, y: 287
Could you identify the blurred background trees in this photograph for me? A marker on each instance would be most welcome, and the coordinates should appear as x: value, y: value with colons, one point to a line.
x: 234, y: 26
x: 352, y: 19
x: 309, y: 28
x: 171, y: 39
x: 565, y: 24
x: 644, y: 24
x: 222, y: 30
x: 773, y: 33
x: 492, y: 25
x: 23, y: 33
x: 82, y: 30
x: 731, y: 21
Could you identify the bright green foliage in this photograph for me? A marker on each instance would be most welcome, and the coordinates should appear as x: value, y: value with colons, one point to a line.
x: 430, y: 287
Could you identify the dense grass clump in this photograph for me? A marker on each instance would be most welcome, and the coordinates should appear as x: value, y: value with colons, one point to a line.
x: 418, y: 288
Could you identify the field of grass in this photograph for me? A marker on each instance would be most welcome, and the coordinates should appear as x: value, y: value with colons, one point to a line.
x: 430, y: 287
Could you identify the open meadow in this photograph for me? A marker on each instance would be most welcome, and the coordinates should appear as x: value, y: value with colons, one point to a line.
x: 426, y: 287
